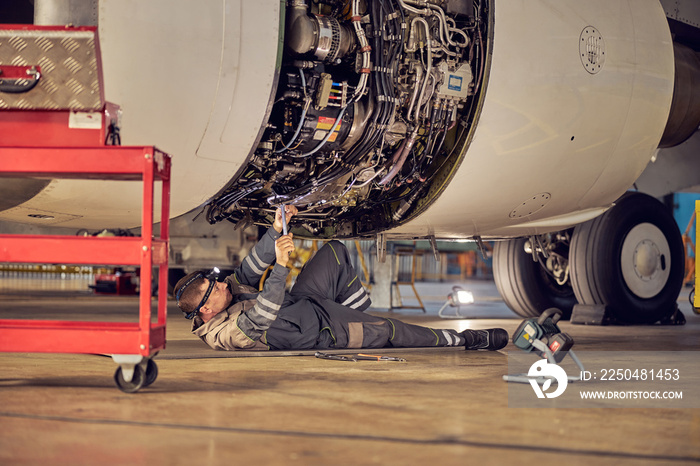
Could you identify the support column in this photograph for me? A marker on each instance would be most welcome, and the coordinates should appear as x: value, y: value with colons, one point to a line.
x: 381, y: 289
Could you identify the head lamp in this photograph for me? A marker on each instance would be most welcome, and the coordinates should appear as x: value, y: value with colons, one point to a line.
x: 212, y: 276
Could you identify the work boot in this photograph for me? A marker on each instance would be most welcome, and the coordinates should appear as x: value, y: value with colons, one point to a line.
x: 490, y: 339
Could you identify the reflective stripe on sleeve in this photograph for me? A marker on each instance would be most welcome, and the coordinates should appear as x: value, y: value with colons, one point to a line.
x: 255, y: 267
x: 263, y: 313
x: 353, y: 297
x: 268, y: 304
x: 360, y: 303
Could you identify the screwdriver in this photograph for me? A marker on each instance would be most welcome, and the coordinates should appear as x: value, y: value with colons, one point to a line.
x: 283, y: 208
x: 372, y: 357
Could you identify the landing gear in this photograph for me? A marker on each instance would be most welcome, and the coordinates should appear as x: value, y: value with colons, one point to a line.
x: 630, y: 259
x: 628, y: 262
x: 530, y: 280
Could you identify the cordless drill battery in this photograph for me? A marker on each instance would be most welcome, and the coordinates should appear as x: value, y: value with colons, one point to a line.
x: 545, y: 329
x: 559, y: 344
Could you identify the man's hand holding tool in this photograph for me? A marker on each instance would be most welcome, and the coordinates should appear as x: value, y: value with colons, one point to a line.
x: 282, y: 221
x: 284, y: 246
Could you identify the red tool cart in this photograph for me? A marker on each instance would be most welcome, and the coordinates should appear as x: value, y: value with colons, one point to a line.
x: 55, y: 123
x: 132, y: 345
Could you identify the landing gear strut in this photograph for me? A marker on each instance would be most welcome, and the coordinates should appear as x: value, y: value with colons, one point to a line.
x: 528, y: 281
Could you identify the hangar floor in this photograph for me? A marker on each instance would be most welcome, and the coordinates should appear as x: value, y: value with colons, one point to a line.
x: 442, y: 406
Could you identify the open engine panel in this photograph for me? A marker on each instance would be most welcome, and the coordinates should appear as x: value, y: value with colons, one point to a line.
x: 373, y: 111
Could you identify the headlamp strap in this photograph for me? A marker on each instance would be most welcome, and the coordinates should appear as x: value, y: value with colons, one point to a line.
x: 206, y: 295
x: 212, y: 277
x: 188, y: 283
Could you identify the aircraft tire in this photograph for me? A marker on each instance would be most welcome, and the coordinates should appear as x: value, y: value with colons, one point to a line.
x: 629, y: 259
x: 524, y: 285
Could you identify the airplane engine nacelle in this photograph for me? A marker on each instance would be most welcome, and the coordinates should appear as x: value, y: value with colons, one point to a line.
x: 576, y: 98
x: 446, y: 119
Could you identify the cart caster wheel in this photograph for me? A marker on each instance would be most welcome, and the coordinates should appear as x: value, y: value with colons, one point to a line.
x: 151, y: 373
x: 137, y: 381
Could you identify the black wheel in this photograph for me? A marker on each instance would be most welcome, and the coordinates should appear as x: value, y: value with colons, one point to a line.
x: 137, y: 381
x: 525, y: 285
x: 630, y: 259
x: 151, y: 373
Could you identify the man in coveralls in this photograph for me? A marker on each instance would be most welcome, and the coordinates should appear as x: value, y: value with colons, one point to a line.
x: 323, y: 310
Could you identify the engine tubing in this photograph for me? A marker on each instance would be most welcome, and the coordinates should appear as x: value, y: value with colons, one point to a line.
x: 596, y: 253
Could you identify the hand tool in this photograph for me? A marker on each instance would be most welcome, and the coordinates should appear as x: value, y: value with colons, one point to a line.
x: 358, y: 357
x: 284, y: 219
x: 283, y: 208
x: 335, y: 357
x: 544, y: 328
x: 543, y: 336
x: 372, y: 357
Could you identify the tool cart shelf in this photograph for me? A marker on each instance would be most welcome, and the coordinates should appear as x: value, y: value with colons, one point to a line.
x: 132, y: 345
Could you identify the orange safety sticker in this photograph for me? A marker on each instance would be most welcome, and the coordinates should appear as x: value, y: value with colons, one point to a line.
x: 320, y: 134
x: 327, y: 123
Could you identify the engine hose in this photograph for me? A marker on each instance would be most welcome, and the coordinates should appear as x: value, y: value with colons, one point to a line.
x: 301, y: 120
x: 414, y: 96
x: 401, y: 159
x: 445, y: 129
x: 429, y: 63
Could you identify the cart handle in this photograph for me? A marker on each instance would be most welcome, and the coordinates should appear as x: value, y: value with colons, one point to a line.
x: 18, y: 79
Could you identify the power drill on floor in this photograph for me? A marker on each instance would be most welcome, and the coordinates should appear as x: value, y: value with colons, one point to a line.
x: 544, y: 329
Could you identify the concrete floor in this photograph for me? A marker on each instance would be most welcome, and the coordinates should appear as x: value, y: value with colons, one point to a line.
x: 444, y: 406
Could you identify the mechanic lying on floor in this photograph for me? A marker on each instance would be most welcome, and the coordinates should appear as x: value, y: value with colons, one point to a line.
x: 323, y: 310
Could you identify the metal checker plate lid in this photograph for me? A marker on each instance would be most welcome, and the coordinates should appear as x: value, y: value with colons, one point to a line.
x: 69, y: 66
